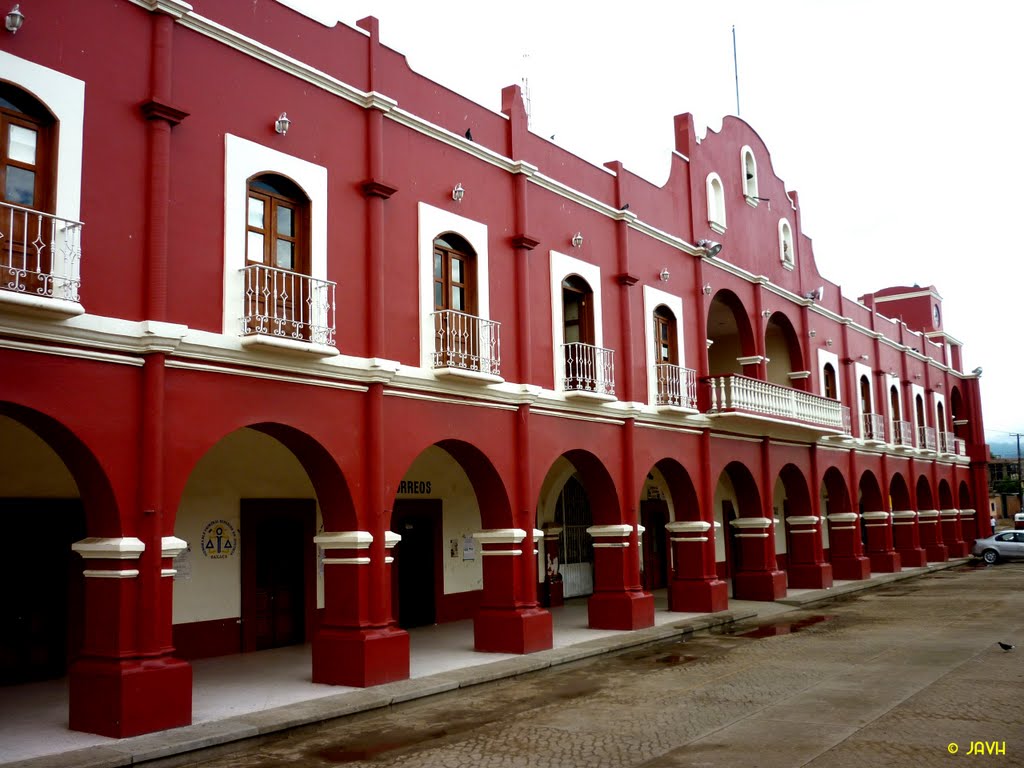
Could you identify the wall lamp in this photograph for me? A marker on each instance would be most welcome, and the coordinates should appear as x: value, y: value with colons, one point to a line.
x: 711, y: 248
x: 282, y: 124
x: 766, y: 313
x: 828, y: 342
x: 664, y: 274
x: 707, y: 289
x: 577, y: 240
x: 458, y: 192
x: 812, y: 333
x: 14, y: 19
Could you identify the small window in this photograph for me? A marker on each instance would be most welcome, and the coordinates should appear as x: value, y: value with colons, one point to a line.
x: 666, y: 349
x: 577, y: 310
x: 277, y: 223
x: 787, y: 254
x: 454, y: 278
x: 749, y: 171
x: 716, y: 203
x: 829, y: 381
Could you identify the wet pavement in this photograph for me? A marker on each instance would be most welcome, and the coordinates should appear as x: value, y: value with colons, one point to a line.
x: 898, y: 676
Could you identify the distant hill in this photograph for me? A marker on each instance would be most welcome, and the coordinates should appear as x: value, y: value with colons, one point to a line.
x: 1006, y: 450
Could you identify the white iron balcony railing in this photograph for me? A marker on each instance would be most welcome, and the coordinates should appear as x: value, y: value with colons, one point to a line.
x: 847, y: 421
x: 902, y: 434
x: 677, y: 386
x: 742, y: 393
x: 926, y: 438
x: 467, y: 342
x: 588, y: 369
x: 40, y: 254
x: 288, y: 305
x: 874, y: 426
x: 961, y: 446
x: 946, y: 442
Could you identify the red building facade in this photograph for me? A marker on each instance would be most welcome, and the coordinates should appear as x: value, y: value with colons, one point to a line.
x: 320, y: 351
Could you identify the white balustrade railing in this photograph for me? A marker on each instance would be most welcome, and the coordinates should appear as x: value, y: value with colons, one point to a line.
x: 874, y: 426
x: 589, y: 368
x: 288, y: 305
x: 946, y: 442
x: 742, y: 393
x: 677, y: 386
x: 902, y: 433
x: 467, y: 342
x: 40, y: 254
x: 847, y: 421
x: 961, y: 446
x: 926, y: 438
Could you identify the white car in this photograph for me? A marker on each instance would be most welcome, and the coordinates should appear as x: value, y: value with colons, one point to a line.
x: 1002, y: 546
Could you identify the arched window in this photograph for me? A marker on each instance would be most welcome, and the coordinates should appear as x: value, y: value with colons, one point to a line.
x: 894, y: 403
x: 787, y: 253
x: 919, y: 407
x: 27, y: 160
x: 829, y: 381
x: 865, y: 395
x: 666, y: 348
x: 748, y: 167
x: 277, y: 224
x: 454, y: 274
x: 716, y: 203
x: 577, y: 310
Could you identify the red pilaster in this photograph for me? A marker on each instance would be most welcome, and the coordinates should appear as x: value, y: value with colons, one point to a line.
x: 505, y: 622
x: 806, y: 567
x: 618, y: 601
x: 952, y: 536
x: 906, y: 539
x: 758, y: 577
x: 349, y: 648
x: 931, y: 535
x: 878, y: 527
x: 845, y: 548
x: 694, y: 586
x: 969, y: 527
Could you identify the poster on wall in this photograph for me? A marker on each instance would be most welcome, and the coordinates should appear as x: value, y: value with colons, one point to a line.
x: 219, y: 540
x: 468, y: 548
x: 183, y: 565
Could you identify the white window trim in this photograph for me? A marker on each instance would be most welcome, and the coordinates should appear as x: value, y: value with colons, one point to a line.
x: 433, y: 222
x: 653, y: 298
x: 244, y: 159
x: 890, y: 382
x: 824, y: 356
x: 716, y: 203
x: 750, y: 186
x: 860, y: 370
x: 915, y: 390
x: 938, y: 399
x: 64, y: 96
x: 561, y: 267
x: 786, y: 235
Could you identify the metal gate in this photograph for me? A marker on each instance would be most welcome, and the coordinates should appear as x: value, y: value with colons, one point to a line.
x: 575, y: 546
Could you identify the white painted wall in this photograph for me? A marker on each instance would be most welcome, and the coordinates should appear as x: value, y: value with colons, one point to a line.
x: 724, y: 491
x: 245, y: 464
x: 778, y: 498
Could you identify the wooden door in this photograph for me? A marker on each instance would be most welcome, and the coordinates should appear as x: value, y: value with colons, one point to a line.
x: 278, y: 572
x: 415, y: 572
x: 653, y: 516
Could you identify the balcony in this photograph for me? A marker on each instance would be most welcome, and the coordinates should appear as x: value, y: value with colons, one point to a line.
x: 960, y: 446
x: 926, y: 438
x: 677, y: 387
x: 742, y: 394
x: 873, y: 426
x: 288, y: 311
x: 466, y: 346
x: 947, y: 442
x: 902, y: 434
x: 589, y: 371
x: 40, y: 261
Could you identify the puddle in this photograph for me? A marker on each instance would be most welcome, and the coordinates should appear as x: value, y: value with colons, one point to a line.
x: 676, y: 658
x: 783, y: 627
x: 370, y: 747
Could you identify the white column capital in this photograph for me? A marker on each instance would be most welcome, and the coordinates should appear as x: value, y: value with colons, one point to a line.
x: 97, y: 548
x: 344, y: 539
x: 172, y: 546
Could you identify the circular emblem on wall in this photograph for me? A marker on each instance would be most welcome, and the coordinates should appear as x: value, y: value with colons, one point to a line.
x: 220, y: 540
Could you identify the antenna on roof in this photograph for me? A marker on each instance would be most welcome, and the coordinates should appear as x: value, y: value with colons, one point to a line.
x: 736, y: 70
x: 526, y: 89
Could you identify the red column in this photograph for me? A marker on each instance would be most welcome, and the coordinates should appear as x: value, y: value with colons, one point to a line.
x: 758, y: 576
x: 806, y: 567
x: 349, y: 648
x: 906, y: 538
x: 847, y: 552
x: 952, y: 536
x: 618, y: 601
x: 506, y: 623
x: 969, y: 526
x: 878, y: 526
x: 694, y: 586
x: 931, y: 535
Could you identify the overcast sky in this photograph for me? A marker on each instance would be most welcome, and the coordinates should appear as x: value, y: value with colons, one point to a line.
x: 897, y: 122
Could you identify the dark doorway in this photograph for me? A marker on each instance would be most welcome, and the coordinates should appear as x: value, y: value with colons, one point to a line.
x: 653, y: 516
x: 42, y: 618
x: 732, y: 549
x: 418, y: 522
x: 278, y: 572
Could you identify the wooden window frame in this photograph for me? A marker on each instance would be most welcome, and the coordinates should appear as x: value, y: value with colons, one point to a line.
x: 273, y: 199
x: 449, y: 253
x: 665, y: 319
x: 579, y: 289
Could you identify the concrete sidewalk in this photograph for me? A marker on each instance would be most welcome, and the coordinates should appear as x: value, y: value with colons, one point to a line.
x: 251, y: 695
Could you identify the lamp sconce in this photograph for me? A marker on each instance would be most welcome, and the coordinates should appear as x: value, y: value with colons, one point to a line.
x: 938, y: 385
x: 893, y: 374
x: 828, y: 342
x: 865, y: 358
x: 282, y: 124
x: 707, y: 289
x: 577, y: 240
x: 710, y: 247
x: 14, y: 19
x: 766, y: 313
x: 812, y: 333
x: 664, y: 274
x: 458, y: 192
x: 917, y: 375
